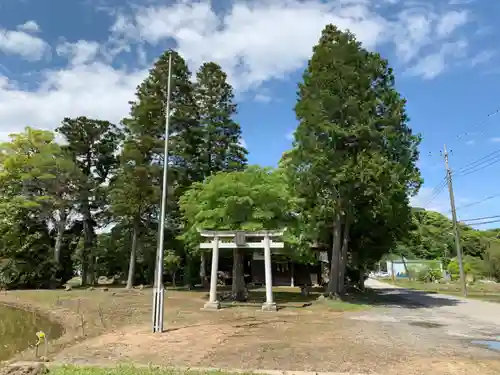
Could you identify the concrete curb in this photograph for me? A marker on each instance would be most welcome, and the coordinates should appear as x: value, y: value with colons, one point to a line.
x: 50, y: 365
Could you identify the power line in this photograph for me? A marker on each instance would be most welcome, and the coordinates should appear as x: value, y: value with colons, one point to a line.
x: 478, y: 202
x: 494, y: 113
x: 478, y: 164
x: 485, y: 222
x: 478, y: 160
x: 481, y: 218
x: 436, y: 191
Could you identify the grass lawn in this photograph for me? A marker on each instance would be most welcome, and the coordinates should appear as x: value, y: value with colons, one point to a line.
x: 484, y: 291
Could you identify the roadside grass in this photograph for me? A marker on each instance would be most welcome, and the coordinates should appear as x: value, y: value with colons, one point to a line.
x: 477, y: 290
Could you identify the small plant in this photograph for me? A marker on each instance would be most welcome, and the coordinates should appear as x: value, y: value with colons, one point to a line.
x: 101, y: 315
x: 82, y: 324
x: 41, y: 338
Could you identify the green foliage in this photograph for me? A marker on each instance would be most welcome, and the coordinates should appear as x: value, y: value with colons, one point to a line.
x: 428, y: 273
x: 26, y: 259
x: 172, y: 263
x: 349, y: 176
x: 454, y: 269
x: 37, y: 173
x: 92, y: 145
x: 354, y: 154
x: 253, y: 199
x: 430, y: 237
x: 221, y: 134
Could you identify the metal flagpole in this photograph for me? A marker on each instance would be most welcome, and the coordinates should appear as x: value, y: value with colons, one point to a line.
x: 158, y: 290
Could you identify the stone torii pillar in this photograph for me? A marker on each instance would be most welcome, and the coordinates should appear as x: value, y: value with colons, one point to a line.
x: 213, y: 303
x: 269, y: 305
x: 239, y: 241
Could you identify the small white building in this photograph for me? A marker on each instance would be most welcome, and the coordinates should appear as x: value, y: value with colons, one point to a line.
x: 398, y: 267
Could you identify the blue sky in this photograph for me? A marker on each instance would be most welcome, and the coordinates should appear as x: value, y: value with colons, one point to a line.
x: 85, y: 57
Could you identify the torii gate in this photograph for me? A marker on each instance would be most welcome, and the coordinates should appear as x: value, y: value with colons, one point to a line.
x: 239, y: 241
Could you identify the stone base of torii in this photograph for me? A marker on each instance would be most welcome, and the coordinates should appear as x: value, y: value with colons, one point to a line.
x: 239, y: 241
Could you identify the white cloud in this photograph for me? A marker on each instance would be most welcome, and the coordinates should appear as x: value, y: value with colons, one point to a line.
x: 23, y: 44
x: 94, y: 90
x: 424, y: 37
x: 262, y: 98
x: 80, y: 52
x: 29, y: 26
x: 428, y: 199
x: 264, y: 95
x: 450, y: 22
x: 436, y: 63
x: 253, y: 42
x: 260, y: 40
x: 495, y: 139
x: 290, y: 135
x: 481, y: 58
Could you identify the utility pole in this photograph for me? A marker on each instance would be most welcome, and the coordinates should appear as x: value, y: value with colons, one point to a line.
x: 455, y: 224
x: 158, y: 290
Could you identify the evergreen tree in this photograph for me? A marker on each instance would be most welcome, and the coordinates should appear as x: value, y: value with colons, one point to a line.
x: 137, y: 188
x: 221, y: 147
x: 352, y: 140
x: 221, y: 134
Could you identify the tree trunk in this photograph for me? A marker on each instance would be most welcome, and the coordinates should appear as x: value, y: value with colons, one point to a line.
x: 60, y: 226
x: 88, y: 241
x: 133, y: 251
x: 343, y: 254
x: 332, y: 289
x: 238, y: 287
x: 203, y: 270
x: 361, y: 278
x: 406, y: 267
x: 173, y: 279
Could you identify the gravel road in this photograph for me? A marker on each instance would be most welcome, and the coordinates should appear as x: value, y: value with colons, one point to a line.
x: 458, y: 317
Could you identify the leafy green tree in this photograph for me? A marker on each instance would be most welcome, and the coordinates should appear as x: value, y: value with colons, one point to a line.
x: 430, y: 236
x: 38, y: 175
x: 172, y: 262
x: 221, y: 149
x: 253, y: 199
x: 26, y: 250
x: 352, y: 140
x: 93, y: 146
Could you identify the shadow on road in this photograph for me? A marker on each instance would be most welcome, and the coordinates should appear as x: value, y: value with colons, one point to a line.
x: 402, y: 298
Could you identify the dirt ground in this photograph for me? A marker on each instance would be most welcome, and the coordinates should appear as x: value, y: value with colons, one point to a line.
x: 108, y: 327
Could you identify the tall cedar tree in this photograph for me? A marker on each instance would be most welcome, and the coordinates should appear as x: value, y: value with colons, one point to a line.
x: 93, y: 145
x: 221, y: 148
x: 221, y: 134
x: 142, y: 161
x: 351, y: 138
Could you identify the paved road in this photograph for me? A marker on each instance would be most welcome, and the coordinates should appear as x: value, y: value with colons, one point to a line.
x: 463, y: 317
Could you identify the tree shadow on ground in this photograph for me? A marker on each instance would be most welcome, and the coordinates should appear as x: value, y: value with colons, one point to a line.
x: 292, y: 297
x: 283, y: 300
x: 401, y: 298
